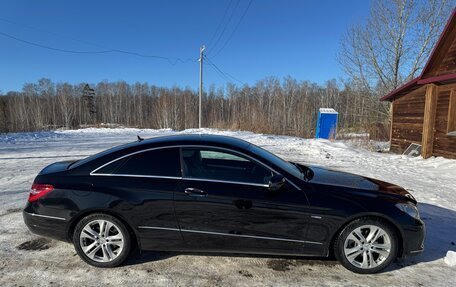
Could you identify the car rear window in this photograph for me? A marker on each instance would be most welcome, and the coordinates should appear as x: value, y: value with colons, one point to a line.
x: 158, y: 162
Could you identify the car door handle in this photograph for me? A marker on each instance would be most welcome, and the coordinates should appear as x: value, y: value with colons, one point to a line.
x: 195, y: 192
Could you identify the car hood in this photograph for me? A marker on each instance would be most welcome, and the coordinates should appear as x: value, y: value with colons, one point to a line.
x: 324, y: 176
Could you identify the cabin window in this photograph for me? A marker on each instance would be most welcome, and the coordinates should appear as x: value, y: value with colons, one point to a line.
x: 451, y: 130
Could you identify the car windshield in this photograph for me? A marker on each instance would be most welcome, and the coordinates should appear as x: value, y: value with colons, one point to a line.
x: 283, y: 164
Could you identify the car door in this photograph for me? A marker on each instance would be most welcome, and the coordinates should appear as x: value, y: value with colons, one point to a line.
x: 224, y: 205
x: 142, y: 185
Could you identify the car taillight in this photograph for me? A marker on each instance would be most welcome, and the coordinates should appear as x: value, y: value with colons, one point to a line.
x: 39, y: 190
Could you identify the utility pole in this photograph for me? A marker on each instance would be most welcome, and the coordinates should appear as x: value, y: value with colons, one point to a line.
x: 202, y: 48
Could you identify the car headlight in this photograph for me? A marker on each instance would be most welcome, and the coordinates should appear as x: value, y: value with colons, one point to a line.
x: 409, y: 209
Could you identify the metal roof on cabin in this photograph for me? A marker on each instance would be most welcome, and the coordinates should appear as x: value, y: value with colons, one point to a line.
x: 401, y: 90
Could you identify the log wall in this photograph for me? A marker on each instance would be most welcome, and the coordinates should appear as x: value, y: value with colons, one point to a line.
x: 444, y: 145
x: 407, y: 120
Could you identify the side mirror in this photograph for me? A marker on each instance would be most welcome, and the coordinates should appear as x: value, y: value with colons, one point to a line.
x: 309, y: 174
x: 276, y: 182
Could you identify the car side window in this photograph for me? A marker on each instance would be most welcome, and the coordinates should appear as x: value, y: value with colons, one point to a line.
x: 223, y: 165
x: 158, y: 162
x: 210, y: 154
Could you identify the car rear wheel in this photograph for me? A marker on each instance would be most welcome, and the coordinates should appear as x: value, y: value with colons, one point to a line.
x: 102, y: 240
x: 366, y: 245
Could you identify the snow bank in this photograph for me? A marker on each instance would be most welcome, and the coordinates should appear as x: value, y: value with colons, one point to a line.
x: 112, y: 131
x: 13, y: 138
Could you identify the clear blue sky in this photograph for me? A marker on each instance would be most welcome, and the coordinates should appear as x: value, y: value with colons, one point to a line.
x: 275, y: 38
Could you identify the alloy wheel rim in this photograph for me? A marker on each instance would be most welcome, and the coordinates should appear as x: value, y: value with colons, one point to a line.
x: 101, y: 240
x: 367, y: 246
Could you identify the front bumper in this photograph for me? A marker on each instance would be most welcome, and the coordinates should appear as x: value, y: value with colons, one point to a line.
x: 414, y: 236
x: 49, y: 226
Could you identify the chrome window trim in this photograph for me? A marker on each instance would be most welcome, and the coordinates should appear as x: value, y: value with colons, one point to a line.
x: 188, y: 178
x: 137, y: 175
x: 229, y: 234
x: 45, y: 216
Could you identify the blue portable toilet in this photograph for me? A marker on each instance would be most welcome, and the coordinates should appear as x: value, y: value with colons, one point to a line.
x: 326, y: 123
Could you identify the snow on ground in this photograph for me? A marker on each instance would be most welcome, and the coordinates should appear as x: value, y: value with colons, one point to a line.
x: 26, y: 259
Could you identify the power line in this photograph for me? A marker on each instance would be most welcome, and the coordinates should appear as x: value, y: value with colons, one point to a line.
x: 172, y: 61
x: 226, y: 25
x: 225, y: 75
x: 52, y: 33
x: 234, y: 31
x: 52, y: 48
x: 219, y: 73
x: 220, y: 24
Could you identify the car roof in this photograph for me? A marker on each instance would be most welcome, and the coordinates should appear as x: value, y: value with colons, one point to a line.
x: 163, y: 141
x: 216, y: 140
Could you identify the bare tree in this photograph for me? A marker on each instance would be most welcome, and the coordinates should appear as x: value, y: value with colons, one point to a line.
x: 66, y: 103
x: 394, y: 43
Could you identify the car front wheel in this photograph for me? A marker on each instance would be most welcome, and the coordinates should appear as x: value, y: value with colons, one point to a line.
x: 102, y: 240
x: 366, y: 245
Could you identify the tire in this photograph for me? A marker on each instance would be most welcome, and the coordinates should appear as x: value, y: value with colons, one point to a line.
x: 366, y: 245
x: 102, y: 240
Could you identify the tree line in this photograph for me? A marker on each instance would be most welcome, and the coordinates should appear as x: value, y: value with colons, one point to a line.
x: 272, y: 105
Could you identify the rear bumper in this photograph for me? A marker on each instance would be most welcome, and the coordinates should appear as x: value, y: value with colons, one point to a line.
x: 414, y: 239
x: 45, y: 225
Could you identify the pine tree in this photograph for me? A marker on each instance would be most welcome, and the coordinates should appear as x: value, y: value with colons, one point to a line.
x: 88, y: 100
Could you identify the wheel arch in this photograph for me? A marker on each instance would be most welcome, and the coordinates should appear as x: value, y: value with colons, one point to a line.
x: 74, y: 221
x: 387, y: 219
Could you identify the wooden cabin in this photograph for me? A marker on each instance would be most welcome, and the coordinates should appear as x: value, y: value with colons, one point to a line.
x: 424, y: 109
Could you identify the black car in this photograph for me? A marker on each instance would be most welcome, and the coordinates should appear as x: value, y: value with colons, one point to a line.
x: 220, y: 194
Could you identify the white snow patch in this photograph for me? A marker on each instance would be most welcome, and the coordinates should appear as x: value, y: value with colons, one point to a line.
x: 450, y: 258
